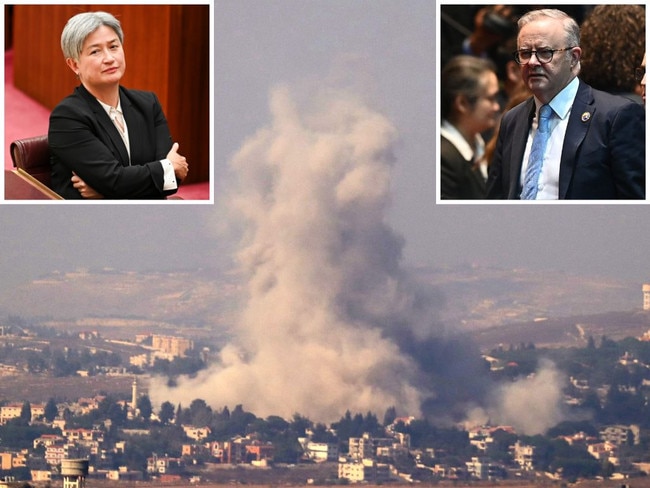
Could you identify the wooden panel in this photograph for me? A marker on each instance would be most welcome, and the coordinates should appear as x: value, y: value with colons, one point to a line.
x: 39, y: 68
x: 166, y: 50
x: 9, y: 23
x: 20, y: 185
x: 189, y: 78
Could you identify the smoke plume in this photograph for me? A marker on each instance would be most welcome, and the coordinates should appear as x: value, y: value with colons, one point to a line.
x: 332, y: 320
x: 324, y: 276
x: 531, y: 405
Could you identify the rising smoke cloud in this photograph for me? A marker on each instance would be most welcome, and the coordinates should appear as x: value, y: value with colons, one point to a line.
x: 332, y: 320
x: 323, y: 267
x: 531, y: 405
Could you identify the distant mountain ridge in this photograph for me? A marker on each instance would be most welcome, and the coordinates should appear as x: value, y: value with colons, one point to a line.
x: 195, y: 296
x: 472, y: 297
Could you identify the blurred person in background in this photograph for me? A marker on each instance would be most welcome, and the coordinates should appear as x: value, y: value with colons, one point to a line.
x: 639, y: 74
x: 475, y: 30
x: 612, y: 39
x: 469, y: 106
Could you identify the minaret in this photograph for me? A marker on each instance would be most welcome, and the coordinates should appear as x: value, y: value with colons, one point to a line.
x: 646, y: 296
x: 134, y: 397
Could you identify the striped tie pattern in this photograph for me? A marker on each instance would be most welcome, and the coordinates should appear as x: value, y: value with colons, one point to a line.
x: 536, y: 158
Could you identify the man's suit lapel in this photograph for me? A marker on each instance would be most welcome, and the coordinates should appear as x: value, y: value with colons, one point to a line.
x: 582, y: 113
x: 518, y: 141
x: 107, y: 124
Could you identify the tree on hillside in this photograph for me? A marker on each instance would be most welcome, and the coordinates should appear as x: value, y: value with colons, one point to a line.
x: 144, y: 407
x: 51, y: 410
x: 390, y: 416
x: 166, y: 413
x: 109, y: 408
x: 26, y: 413
x: 200, y: 413
x: 320, y: 433
x: 239, y: 420
x: 570, y: 427
x: 268, y: 428
x: 300, y: 424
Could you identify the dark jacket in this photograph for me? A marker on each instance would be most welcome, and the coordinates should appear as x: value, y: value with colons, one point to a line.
x: 84, y: 140
x: 459, y: 179
x: 603, y: 155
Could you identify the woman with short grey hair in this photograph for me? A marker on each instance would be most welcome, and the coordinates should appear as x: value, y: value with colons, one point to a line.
x: 79, y: 27
x: 108, y: 141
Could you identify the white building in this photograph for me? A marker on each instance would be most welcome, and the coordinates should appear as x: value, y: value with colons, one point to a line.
x: 163, y: 464
x: 620, y: 434
x: 367, y: 447
x: 321, y: 451
x: 524, y: 455
x: 366, y: 470
x: 13, y: 411
x: 483, y: 469
x: 196, y: 433
x: 646, y: 296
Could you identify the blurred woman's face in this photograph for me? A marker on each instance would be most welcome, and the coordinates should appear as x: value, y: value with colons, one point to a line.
x: 101, y: 63
x: 486, y: 111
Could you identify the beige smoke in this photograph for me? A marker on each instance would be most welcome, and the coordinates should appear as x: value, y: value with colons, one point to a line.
x: 531, y: 405
x: 323, y: 270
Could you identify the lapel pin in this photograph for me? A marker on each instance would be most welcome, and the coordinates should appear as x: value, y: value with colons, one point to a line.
x: 586, y: 116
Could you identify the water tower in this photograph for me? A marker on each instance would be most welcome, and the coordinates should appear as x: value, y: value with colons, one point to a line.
x: 74, y: 472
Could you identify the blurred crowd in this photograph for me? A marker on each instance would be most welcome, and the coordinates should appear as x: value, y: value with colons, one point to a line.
x: 480, y: 78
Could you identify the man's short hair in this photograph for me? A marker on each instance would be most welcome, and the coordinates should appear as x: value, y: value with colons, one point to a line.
x: 571, y: 27
x: 79, y: 27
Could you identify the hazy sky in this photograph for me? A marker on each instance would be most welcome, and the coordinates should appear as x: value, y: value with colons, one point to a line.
x: 385, y: 50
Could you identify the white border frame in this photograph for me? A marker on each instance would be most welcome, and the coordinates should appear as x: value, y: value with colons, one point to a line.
x: 210, y: 201
x: 439, y: 201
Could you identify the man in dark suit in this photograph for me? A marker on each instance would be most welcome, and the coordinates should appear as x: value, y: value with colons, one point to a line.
x: 591, y: 145
x: 107, y: 141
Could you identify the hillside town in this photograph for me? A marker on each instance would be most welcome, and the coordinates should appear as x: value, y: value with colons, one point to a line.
x: 386, y: 456
x: 124, y: 438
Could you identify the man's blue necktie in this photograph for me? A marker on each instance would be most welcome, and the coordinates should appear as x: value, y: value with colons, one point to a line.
x: 536, y: 158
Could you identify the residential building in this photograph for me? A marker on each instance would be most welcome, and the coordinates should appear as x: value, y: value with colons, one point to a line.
x: 216, y: 450
x: 320, y: 451
x: 524, y: 455
x: 620, y: 435
x: 603, y: 451
x: 366, y: 447
x: 259, y: 452
x: 41, y: 475
x: 83, y: 435
x: 13, y: 411
x: 163, y: 464
x: 48, y: 440
x: 176, y: 346
x: 483, y: 469
x: 196, y: 433
x: 140, y: 360
x: 240, y: 450
x: 365, y: 470
x: 11, y: 460
x: 55, y: 453
x: 123, y: 474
